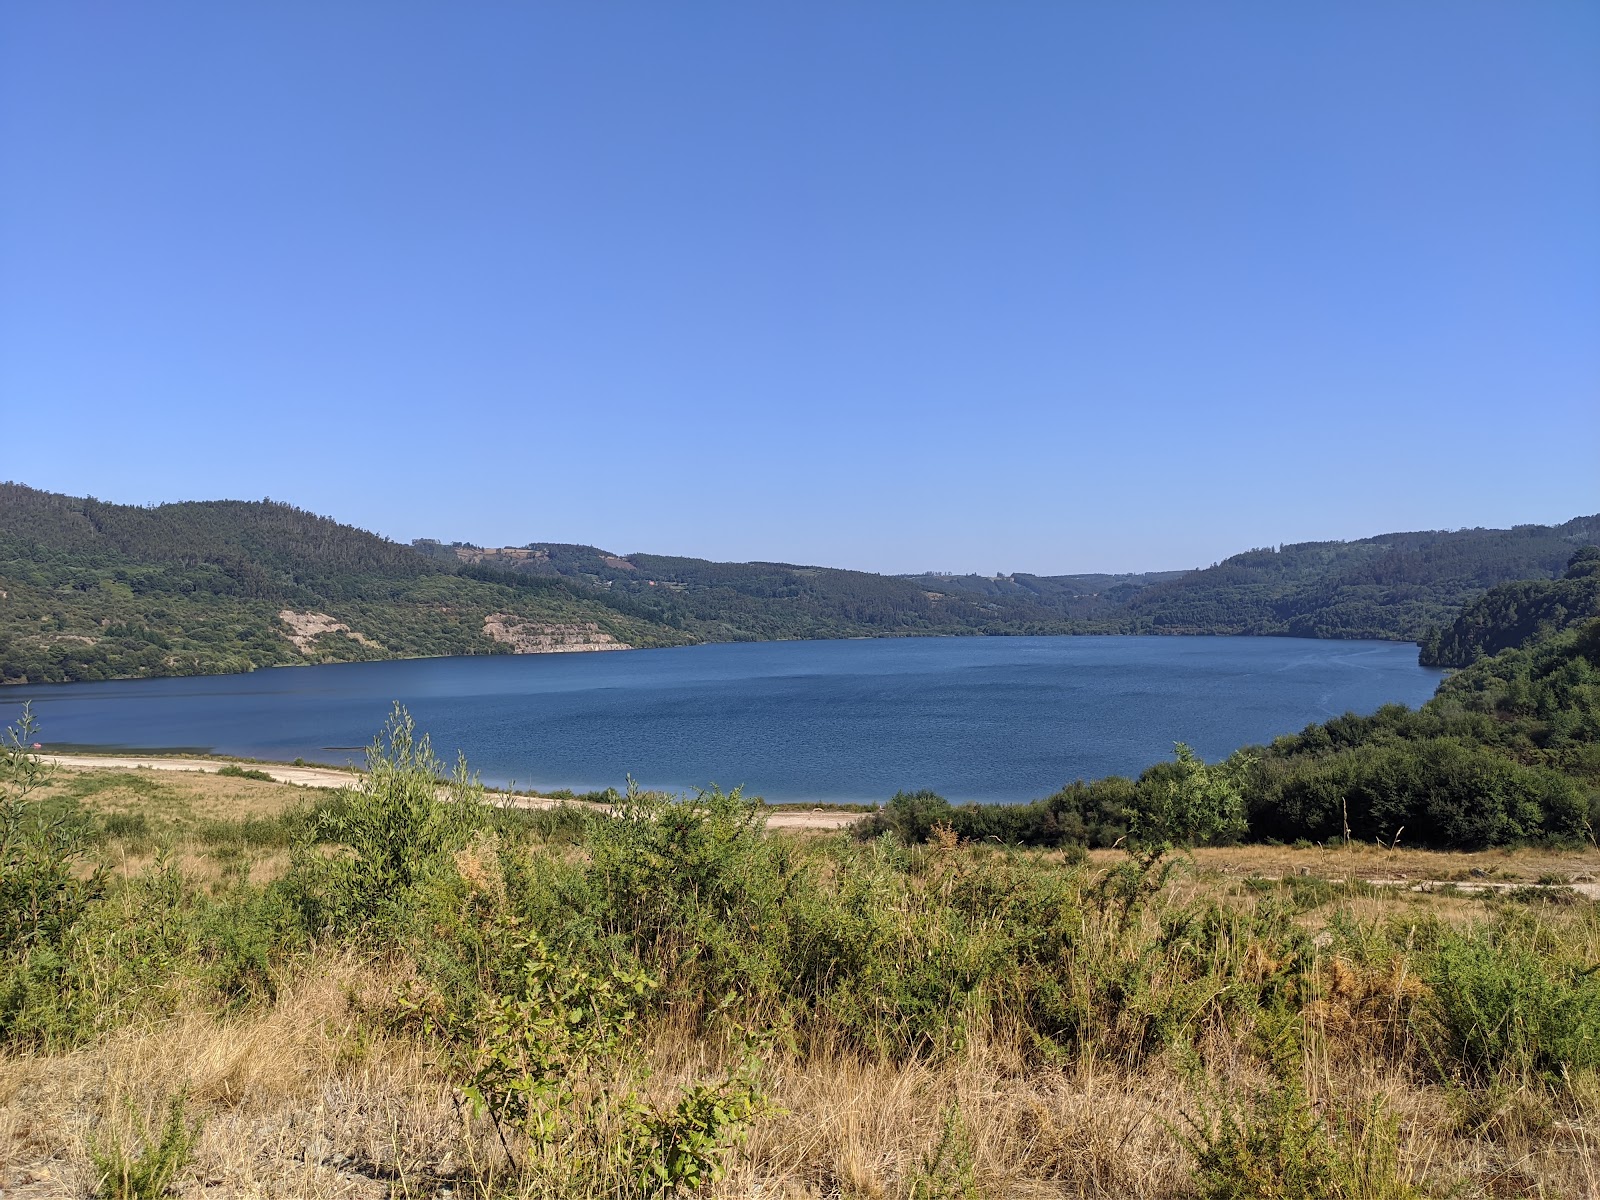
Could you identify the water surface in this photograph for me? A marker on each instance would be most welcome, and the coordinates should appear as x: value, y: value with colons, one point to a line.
x: 974, y: 718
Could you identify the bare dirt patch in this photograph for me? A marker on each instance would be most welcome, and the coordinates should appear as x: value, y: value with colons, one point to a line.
x: 542, y: 637
x: 306, y: 627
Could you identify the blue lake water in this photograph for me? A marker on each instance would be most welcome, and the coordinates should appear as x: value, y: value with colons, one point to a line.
x: 987, y: 719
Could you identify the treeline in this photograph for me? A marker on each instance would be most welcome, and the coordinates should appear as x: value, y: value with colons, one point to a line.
x: 1397, y: 585
x: 1508, y: 751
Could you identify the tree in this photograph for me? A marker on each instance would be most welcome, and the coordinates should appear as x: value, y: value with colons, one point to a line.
x: 1187, y: 802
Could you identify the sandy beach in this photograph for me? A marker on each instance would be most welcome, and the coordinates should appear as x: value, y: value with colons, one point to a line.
x: 819, y: 818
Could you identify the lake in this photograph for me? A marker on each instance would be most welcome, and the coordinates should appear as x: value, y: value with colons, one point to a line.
x: 988, y: 719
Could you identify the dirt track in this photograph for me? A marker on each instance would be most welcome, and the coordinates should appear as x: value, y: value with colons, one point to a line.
x: 333, y: 777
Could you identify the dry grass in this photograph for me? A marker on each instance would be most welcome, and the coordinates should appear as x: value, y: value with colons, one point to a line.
x: 303, y: 1099
x: 1374, y: 862
x: 176, y: 795
x: 312, y: 1096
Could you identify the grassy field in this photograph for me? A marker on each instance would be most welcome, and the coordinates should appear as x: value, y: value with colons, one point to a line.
x: 284, y: 991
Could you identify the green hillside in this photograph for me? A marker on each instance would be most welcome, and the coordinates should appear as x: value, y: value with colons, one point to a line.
x: 1513, y: 614
x: 1396, y: 585
x: 759, y: 601
x: 90, y: 590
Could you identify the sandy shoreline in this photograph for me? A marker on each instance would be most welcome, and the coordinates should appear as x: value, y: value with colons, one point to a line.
x: 334, y: 777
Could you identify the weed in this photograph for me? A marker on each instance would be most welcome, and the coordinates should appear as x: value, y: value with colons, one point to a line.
x: 948, y: 1171
x: 149, y: 1172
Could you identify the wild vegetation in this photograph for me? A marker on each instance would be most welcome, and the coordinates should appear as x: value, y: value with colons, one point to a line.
x: 401, y: 990
x: 90, y: 590
x: 1507, y: 752
x: 1396, y: 585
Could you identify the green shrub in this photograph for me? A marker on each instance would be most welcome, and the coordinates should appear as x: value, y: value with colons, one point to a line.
x: 358, y: 864
x: 128, y: 827
x: 1272, y: 1144
x: 1186, y: 802
x: 949, y: 1171
x: 42, y: 891
x: 910, y: 816
x: 549, y: 1067
x: 238, y: 772
x: 147, y: 1174
x: 1503, y: 1007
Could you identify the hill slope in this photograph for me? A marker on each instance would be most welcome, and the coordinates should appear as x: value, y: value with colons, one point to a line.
x: 763, y: 600
x: 1395, y: 585
x: 1513, y: 614
x: 90, y: 590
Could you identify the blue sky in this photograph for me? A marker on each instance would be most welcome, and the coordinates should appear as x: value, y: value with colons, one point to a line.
x: 1044, y: 287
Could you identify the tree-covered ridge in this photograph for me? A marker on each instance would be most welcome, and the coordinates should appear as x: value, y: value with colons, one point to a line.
x: 1077, y: 598
x: 761, y: 601
x: 1396, y: 585
x: 90, y: 590
x: 1513, y: 614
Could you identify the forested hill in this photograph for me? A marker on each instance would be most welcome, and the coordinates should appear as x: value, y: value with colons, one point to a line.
x: 1514, y: 614
x: 90, y: 590
x: 1396, y: 585
x: 760, y: 601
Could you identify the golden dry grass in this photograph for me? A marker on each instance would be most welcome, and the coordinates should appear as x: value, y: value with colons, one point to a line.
x: 176, y: 795
x: 303, y: 1099
x: 308, y: 1096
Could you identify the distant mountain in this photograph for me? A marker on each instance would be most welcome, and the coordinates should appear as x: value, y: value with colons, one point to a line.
x: 1395, y: 586
x: 1077, y: 598
x: 90, y: 590
x: 760, y: 601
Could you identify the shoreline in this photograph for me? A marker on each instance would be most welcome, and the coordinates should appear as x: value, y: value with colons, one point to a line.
x: 10, y: 684
x: 817, y: 817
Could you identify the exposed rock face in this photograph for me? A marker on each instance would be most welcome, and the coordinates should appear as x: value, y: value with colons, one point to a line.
x: 306, y: 627
x: 541, y: 637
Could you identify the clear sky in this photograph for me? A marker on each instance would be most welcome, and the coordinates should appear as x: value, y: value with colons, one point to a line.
x: 998, y: 287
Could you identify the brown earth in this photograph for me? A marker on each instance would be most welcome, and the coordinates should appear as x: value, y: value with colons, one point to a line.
x: 542, y: 637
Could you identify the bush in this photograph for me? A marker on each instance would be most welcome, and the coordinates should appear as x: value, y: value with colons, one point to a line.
x: 399, y: 828
x: 547, y: 1067
x: 42, y: 892
x: 1504, y: 1009
x: 910, y: 816
x: 237, y: 772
